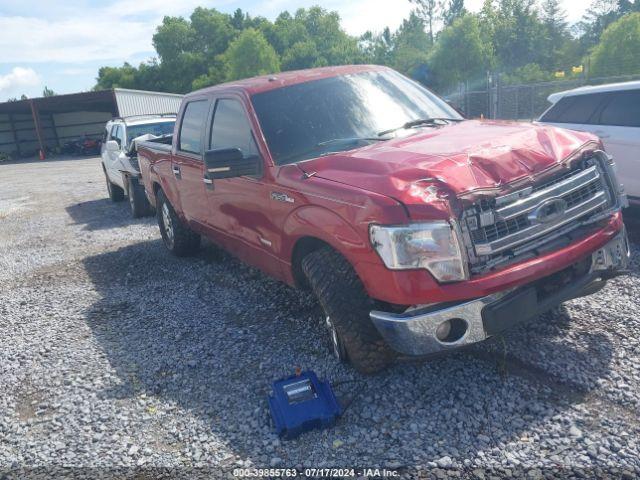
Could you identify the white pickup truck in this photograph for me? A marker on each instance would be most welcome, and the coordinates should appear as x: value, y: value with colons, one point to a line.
x: 119, y: 156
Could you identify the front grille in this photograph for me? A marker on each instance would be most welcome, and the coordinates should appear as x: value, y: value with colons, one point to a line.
x: 503, y: 227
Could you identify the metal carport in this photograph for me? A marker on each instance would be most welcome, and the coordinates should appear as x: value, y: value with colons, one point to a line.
x: 35, y: 125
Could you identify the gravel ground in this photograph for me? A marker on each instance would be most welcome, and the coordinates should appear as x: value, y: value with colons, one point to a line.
x: 119, y: 359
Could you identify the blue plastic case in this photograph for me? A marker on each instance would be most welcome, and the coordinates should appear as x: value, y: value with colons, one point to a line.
x: 301, y: 403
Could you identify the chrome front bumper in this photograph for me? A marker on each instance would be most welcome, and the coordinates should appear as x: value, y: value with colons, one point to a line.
x: 414, y: 332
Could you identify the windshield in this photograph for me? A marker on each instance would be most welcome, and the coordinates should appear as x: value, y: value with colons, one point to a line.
x: 309, y: 119
x: 159, y: 128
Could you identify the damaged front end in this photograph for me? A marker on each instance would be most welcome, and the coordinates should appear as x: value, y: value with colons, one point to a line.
x: 548, y: 214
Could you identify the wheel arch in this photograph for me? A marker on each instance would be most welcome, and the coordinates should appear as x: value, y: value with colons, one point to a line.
x: 310, y: 228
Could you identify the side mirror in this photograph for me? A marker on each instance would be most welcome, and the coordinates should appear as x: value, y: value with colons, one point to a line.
x: 112, y: 146
x: 229, y: 163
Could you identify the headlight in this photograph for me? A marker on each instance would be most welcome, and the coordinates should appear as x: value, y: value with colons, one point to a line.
x: 433, y: 246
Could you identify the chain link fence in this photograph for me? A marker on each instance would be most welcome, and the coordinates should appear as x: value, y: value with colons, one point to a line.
x: 517, y: 102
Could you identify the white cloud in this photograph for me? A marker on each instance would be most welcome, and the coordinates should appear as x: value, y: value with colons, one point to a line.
x: 18, y: 80
x: 117, y: 31
x: 362, y: 15
x: 30, y: 39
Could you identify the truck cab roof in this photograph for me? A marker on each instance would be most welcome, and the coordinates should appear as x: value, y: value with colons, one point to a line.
x: 265, y: 83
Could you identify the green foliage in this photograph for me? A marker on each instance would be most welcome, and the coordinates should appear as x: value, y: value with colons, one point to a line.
x: 249, y: 55
x: 429, y: 11
x: 525, y: 39
x: 530, y: 73
x: 302, y: 55
x: 453, y: 10
x: 619, y: 47
x: 47, y: 92
x: 472, y: 58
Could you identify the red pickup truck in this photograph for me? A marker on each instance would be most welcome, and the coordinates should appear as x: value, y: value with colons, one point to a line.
x: 418, y: 231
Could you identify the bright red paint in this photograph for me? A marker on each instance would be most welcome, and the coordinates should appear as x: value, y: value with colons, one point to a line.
x: 380, y: 183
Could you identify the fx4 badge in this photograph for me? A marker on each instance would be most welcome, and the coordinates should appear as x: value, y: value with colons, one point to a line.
x: 281, y: 197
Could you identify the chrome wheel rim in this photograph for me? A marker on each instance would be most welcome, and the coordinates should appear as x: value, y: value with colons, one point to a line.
x: 166, y: 223
x: 335, y: 340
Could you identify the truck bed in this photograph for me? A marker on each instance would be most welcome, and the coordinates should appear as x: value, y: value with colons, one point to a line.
x: 162, y: 144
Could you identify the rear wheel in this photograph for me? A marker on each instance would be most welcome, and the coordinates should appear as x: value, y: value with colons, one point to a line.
x: 116, y: 194
x: 177, y: 237
x: 140, y: 206
x: 346, y: 305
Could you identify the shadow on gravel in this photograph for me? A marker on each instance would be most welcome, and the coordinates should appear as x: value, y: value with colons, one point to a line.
x: 631, y: 218
x: 102, y: 214
x: 209, y: 334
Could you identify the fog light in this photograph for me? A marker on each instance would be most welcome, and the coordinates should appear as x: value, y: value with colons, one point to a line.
x: 443, y: 330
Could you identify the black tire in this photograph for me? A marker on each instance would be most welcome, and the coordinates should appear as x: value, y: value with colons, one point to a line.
x: 116, y: 194
x: 140, y: 206
x: 178, y: 238
x: 346, y: 306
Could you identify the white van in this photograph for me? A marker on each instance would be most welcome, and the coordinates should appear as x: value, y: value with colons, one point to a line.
x: 613, y: 113
x: 119, y: 157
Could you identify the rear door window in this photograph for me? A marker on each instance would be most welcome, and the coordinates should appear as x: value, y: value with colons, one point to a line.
x: 575, y: 109
x: 622, y: 110
x: 190, y: 136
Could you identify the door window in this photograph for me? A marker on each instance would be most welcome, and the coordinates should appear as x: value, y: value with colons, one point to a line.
x: 623, y: 110
x: 114, y: 132
x: 120, y: 135
x: 575, y: 109
x: 231, y: 128
x: 190, y: 136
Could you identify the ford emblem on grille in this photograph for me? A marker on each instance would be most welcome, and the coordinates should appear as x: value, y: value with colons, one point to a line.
x: 548, y: 211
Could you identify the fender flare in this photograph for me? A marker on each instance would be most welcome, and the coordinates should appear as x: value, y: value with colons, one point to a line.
x: 320, y: 223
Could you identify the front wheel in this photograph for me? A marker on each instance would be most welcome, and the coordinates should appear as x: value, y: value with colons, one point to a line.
x: 178, y: 238
x: 346, y: 305
x: 116, y: 194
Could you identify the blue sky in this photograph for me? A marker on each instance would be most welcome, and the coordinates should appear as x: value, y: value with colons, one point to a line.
x: 62, y: 44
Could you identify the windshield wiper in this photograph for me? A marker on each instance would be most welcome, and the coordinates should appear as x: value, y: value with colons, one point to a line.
x: 348, y: 143
x: 350, y: 140
x: 421, y: 121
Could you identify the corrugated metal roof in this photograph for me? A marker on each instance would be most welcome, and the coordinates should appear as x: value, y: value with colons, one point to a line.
x: 140, y: 102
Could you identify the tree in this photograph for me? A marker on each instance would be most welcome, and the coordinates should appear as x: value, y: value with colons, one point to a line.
x: 113, y: 77
x: 453, y: 10
x: 617, y: 51
x: 530, y: 73
x: 473, y: 56
x: 47, y: 92
x: 411, y: 46
x: 302, y: 55
x: 429, y: 11
x: 334, y: 46
x: 554, y: 20
x: 515, y: 31
x: 599, y: 16
x: 378, y: 48
x: 250, y: 54
x: 628, y: 6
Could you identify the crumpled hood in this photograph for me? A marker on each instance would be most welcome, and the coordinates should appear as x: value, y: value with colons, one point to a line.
x: 458, y: 159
